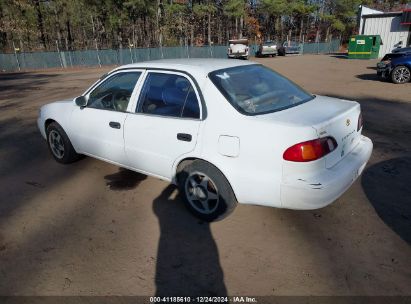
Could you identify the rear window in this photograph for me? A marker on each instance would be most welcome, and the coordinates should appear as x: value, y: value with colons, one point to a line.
x: 255, y: 89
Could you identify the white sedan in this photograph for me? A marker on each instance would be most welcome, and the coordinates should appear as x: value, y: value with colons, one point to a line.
x: 224, y: 131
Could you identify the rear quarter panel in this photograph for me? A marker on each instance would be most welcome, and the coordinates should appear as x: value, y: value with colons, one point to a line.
x: 255, y: 172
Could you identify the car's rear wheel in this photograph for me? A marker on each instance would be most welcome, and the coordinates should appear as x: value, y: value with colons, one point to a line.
x: 401, y: 74
x: 281, y: 51
x: 59, y: 144
x: 206, y: 191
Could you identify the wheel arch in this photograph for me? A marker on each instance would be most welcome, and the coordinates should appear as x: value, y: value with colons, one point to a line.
x: 188, y: 160
x: 47, y: 122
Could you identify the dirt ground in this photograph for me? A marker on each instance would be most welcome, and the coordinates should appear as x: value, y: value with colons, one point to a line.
x: 90, y: 228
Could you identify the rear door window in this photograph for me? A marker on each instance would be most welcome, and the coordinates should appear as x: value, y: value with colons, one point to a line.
x: 169, y: 95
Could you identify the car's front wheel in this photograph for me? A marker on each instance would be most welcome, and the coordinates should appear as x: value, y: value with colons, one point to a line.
x: 206, y: 191
x: 401, y: 74
x: 59, y: 144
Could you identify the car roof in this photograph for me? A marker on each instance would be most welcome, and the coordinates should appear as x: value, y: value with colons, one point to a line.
x: 189, y: 65
x: 400, y: 50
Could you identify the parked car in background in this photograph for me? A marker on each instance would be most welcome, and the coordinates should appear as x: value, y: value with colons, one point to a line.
x: 292, y: 47
x: 395, y: 67
x: 238, y: 48
x: 224, y: 131
x: 267, y: 48
x: 402, y: 50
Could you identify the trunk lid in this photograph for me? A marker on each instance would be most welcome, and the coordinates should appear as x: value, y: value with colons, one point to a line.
x: 269, y: 48
x: 329, y: 117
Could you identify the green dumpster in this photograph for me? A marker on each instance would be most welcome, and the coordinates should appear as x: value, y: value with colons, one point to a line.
x: 364, y: 47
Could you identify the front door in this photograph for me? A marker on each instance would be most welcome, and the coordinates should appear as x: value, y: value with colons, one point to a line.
x: 165, y: 124
x: 98, y: 127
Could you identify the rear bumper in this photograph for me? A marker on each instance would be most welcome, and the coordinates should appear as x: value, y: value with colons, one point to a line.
x: 268, y: 52
x: 237, y: 55
x: 329, y: 184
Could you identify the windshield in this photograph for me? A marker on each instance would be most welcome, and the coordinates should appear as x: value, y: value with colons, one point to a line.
x: 255, y: 89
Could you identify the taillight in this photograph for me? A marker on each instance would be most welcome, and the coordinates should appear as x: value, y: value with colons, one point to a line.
x: 310, y: 150
x: 360, y: 122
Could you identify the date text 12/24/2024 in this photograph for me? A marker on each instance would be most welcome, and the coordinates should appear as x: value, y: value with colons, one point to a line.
x: 236, y: 299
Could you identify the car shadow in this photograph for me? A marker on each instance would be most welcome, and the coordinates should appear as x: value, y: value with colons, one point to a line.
x: 373, y: 76
x: 386, y: 179
x: 124, y: 179
x: 13, y: 85
x: 339, y: 56
x: 187, y: 259
x: 386, y: 185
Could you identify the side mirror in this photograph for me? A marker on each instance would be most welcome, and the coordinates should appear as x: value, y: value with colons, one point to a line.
x: 81, y: 101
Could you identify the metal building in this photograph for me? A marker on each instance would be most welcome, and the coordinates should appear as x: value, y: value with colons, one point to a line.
x: 393, y: 27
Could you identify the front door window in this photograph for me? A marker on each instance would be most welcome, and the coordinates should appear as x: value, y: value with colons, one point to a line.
x: 114, y: 93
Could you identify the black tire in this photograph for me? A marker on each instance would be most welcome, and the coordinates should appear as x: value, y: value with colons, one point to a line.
x: 401, y: 74
x: 68, y: 154
x: 281, y: 51
x: 217, y: 185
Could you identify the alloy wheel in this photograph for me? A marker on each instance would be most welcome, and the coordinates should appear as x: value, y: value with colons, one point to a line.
x: 402, y: 75
x: 56, y: 144
x: 202, y: 193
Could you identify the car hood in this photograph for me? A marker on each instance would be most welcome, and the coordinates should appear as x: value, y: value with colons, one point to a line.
x: 59, y: 107
x: 64, y: 101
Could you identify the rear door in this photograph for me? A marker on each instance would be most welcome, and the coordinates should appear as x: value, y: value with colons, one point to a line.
x: 165, y: 122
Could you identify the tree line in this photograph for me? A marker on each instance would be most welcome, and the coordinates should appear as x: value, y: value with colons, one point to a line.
x: 33, y: 25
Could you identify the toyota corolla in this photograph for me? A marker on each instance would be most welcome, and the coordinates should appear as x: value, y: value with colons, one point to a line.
x: 224, y: 131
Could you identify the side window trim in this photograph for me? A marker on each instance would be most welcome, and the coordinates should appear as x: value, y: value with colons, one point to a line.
x: 135, y: 109
x: 137, y: 91
x: 108, y: 77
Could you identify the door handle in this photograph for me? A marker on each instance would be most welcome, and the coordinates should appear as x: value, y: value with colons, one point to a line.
x: 115, y: 125
x: 184, y: 136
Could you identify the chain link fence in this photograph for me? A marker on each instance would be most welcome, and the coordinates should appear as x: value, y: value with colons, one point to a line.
x: 321, y: 47
x: 64, y: 59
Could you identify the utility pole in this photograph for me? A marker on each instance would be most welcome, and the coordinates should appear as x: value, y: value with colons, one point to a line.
x: 17, y: 58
